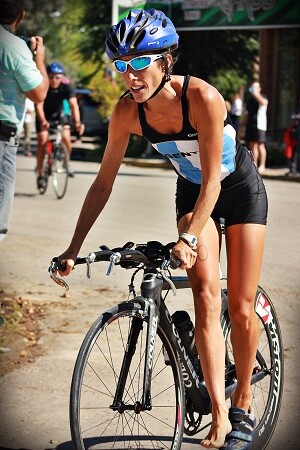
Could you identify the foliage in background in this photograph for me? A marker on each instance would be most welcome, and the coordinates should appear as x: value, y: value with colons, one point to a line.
x: 228, y: 82
x: 74, y: 32
x: 216, y: 55
x: 106, y: 91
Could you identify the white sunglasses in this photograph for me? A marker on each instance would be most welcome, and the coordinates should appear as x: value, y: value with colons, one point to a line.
x: 137, y: 63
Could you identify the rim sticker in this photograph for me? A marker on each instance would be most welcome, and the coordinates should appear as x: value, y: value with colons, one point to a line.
x: 263, y: 308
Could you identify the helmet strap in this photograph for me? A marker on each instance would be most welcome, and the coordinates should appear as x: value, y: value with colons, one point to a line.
x: 165, y: 79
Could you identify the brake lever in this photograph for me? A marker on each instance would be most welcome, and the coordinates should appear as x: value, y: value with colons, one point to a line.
x: 53, y: 274
x: 59, y: 280
x: 165, y: 274
x: 114, y: 259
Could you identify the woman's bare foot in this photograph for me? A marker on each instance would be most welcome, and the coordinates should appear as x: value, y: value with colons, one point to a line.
x: 217, y: 434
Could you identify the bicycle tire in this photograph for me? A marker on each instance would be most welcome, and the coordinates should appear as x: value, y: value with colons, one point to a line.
x: 46, y: 172
x: 60, y: 169
x: 266, y: 393
x: 93, y: 423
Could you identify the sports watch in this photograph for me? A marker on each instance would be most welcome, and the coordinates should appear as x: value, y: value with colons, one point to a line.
x: 189, y: 239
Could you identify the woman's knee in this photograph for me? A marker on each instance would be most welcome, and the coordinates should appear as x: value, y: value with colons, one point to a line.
x: 207, y: 301
x: 242, y: 311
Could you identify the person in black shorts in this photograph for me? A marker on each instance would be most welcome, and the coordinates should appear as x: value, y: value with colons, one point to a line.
x: 256, y: 125
x: 186, y: 120
x: 52, y: 109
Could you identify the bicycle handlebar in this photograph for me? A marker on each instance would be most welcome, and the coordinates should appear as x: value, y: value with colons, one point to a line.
x: 150, y: 255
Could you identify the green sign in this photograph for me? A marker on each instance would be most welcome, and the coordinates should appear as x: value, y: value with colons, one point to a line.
x: 218, y: 14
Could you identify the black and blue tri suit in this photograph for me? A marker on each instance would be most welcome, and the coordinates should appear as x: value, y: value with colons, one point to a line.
x: 243, y: 196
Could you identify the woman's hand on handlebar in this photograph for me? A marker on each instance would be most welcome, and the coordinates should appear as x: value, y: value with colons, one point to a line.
x: 185, y: 254
x: 67, y: 262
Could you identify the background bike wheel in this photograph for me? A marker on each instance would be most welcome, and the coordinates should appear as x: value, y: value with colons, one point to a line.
x: 60, y: 169
x: 267, y: 392
x: 94, y: 425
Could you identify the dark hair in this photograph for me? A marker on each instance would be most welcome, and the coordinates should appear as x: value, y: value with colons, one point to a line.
x: 10, y: 10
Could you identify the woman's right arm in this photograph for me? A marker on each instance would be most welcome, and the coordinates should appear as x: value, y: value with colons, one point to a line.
x: 100, y: 190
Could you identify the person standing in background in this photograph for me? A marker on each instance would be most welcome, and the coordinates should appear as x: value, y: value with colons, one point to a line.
x: 236, y: 110
x: 256, y: 125
x: 22, y: 74
x: 291, y: 141
x: 28, y: 121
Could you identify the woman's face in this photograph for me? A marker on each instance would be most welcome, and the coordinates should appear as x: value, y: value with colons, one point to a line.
x: 143, y: 83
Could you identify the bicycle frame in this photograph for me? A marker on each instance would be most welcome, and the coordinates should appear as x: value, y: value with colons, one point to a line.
x: 153, y: 306
x: 55, y: 135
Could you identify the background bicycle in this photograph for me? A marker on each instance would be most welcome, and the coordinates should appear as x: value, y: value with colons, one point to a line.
x: 155, y: 393
x: 56, y: 161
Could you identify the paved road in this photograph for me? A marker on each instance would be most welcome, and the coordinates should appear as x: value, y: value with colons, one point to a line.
x: 34, y: 398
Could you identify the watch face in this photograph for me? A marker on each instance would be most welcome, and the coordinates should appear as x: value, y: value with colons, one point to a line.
x: 190, y: 239
x: 193, y: 241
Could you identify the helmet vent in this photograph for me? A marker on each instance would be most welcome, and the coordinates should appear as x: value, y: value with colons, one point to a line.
x: 164, y: 23
x: 130, y: 35
x: 153, y: 30
x: 111, y: 47
x: 138, y: 39
x: 122, y: 31
x: 139, y: 16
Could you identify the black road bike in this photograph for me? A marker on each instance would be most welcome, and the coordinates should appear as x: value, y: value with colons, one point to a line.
x: 137, y: 383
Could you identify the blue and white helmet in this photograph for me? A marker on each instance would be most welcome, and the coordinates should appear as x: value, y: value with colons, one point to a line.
x: 141, y: 31
x: 55, y: 67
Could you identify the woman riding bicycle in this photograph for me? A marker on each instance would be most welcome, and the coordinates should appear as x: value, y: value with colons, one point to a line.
x: 186, y: 120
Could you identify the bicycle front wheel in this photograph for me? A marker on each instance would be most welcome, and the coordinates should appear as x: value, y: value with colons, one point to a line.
x: 95, y: 424
x: 60, y: 169
x: 267, y: 387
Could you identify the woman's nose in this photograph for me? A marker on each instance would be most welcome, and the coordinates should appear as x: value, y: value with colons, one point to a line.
x: 130, y: 74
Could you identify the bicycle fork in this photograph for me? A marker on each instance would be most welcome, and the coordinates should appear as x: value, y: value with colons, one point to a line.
x: 151, y: 287
x: 136, y: 327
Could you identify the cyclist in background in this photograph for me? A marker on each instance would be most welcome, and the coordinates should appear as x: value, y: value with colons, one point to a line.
x: 52, y: 109
x: 186, y: 120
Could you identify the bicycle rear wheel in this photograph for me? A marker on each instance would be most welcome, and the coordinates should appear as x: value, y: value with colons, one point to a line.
x: 60, y: 169
x: 268, y: 369
x: 94, y: 424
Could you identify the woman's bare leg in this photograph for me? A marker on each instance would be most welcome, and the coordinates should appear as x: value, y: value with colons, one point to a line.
x: 245, y: 246
x: 205, y: 282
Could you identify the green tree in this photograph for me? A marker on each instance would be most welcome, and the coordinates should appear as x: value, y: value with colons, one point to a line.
x: 228, y: 82
x: 74, y: 32
x: 207, y: 53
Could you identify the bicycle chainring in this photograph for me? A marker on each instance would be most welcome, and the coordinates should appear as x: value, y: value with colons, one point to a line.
x: 192, y: 420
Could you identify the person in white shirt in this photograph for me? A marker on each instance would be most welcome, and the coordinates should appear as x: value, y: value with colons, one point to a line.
x: 236, y: 110
x: 256, y: 125
x: 28, y: 121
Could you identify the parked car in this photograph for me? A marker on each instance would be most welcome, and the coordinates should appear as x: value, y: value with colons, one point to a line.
x: 89, y: 113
